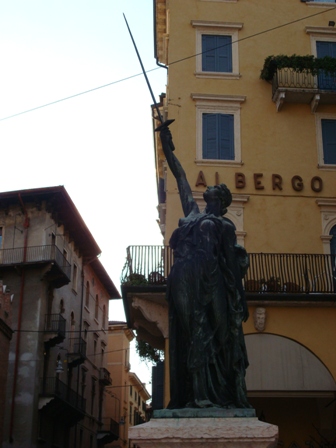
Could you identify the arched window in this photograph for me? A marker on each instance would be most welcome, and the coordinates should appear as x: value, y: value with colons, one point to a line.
x: 62, y: 309
x: 332, y: 233
x: 87, y: 295
x: 96, y: 306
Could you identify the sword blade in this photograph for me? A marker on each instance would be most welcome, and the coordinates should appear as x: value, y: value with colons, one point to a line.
x: 144, y: 73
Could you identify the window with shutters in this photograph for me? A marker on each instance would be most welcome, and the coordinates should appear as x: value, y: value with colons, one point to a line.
x: 217, y: 49
x: 326, y: 140
x: 318, y: 1
x: 326, y: 48
x: 218, y: 136
x: 216, y: 53
x: 218, y: 139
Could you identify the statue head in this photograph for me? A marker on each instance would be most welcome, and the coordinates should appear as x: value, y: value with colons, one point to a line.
x: 259, y: 318
x: 219, y: 194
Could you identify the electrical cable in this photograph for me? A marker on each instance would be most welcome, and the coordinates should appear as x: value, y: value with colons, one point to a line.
x: 157, y: 68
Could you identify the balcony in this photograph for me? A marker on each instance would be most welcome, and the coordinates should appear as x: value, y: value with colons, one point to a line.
x: 287, y: 279
x: 108, y: 432
x: 61, y: 402
x: 54, y: 329
x: 289, y: 86
x: 105, y: 377
x: 301, y: 79
x: 60, y: 270
x: 308, y: 277
x: 77, y: 352
x: 269, y: 277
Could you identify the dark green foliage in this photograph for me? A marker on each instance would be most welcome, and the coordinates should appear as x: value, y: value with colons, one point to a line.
x: 147, y: 353
x: 136, y: 279
x: 299, y: 64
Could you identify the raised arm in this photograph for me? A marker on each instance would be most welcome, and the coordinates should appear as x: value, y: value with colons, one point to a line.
x: 188, y: 203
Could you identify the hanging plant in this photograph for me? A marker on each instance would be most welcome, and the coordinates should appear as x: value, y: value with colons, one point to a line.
x: 147, y: 353
x: 299, y: 64
x: 135, y: 279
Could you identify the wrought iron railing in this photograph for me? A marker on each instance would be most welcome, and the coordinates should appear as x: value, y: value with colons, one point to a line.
x: 35, y: 254
x: 289, y: 78
x: 55, y: 323
x: 271, y: 273
x: 110, y: 425
x: 147, y: 265
x: 105, y: 376
x: 77, y: 347
x: 54, y: 387
x: 291, y: 273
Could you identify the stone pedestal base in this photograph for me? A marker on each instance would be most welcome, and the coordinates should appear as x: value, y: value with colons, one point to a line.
x: 214, y: 432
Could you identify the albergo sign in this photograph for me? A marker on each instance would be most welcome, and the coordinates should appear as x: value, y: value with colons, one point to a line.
x: 260, y: 182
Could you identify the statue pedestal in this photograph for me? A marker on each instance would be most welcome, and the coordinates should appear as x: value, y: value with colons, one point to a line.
x: 235, y: 431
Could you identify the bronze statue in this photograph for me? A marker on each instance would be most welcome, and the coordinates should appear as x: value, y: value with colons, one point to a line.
x: 206, y: 299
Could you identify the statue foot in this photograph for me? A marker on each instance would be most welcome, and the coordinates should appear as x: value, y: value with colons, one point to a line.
x: 205, y: 404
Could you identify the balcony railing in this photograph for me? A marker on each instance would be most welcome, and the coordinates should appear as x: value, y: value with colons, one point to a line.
x: 54, y: 329
x: 105, y: 377
x: 35, y: 254
x: 291, y: 79
x: 77, y: 352
x: 291, y: 273
x: 147, y: 265
x: 55, y: 323
x: 291, y: 86
x: 268, y: 273
x: 110, y: 425
x: 54, y: 387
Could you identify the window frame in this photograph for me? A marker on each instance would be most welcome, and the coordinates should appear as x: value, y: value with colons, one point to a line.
x: 320, y: 33
x: 218, y: 104
x: 217, y: 29
x: 320, y: 149
x: 218, y: 128
x: 318, y: 3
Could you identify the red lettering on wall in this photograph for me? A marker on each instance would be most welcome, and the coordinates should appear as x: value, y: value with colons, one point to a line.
x: 201, y: 180
x: 257, y: 182
x: 276, y: 181
x: 316, y: 184
x: 297, y: 183
x: 240, y: 180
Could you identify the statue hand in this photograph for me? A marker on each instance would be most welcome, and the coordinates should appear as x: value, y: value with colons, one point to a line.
x: 165, y: 135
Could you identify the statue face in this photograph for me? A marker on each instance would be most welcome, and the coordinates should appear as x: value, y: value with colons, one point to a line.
x: 214, y: 203
x: 259, y: 319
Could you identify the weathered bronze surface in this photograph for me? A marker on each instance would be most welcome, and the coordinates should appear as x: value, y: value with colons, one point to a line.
x: 207, y: 303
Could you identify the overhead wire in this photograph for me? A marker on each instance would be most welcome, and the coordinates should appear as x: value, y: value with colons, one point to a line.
x: 171, y: 63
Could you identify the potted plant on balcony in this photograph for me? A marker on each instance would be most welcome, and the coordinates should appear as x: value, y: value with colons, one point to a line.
x: 300, y: 64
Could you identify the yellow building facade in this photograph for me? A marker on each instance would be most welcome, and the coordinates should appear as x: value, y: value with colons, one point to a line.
x: 272, y: 141
x: 126, y: 399
x: 276, y: 167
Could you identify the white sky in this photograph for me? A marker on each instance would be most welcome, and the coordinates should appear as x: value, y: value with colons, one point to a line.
x: 98, y: 145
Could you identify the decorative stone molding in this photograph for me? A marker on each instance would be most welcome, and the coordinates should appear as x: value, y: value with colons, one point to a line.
x: 328, y: 220
x: 153, y: 312
x: 259, y: 317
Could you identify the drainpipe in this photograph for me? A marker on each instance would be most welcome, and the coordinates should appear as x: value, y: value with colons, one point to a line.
x: 16, y: 364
